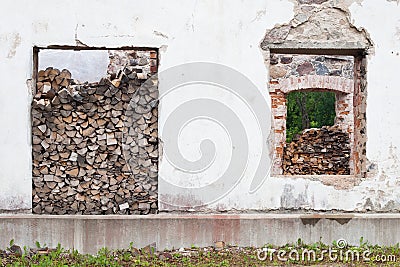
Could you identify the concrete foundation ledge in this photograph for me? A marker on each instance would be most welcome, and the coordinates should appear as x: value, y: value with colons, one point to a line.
x: 88, y: 234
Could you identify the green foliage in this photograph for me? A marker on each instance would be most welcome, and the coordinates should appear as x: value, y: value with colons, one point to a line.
x: 309, y: 110
x: 208, y: 257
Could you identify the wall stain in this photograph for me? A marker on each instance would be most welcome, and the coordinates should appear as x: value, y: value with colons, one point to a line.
x: 341, y: 221
x: 180, y: 202
x: 40, y: 27
x: 289, y: 200
x: 14, y: 203
x: 368, y: 206
x: 397, y: 34
x: 259, y: 15
x: 157, y: 33
x: 16, y: 41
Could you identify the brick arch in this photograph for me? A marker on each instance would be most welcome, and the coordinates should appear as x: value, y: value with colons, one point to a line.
x: 309, y: 82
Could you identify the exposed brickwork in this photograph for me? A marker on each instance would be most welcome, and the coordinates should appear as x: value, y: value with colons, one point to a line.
x: 279, y: 112
x: 311, y: 73
x: 315, y: 27
x: 359, y: 103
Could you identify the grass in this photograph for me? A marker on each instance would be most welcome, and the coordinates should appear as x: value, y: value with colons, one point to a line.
x: 269, y: 255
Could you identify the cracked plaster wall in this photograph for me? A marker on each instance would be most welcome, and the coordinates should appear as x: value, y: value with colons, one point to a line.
x: 188, y: 31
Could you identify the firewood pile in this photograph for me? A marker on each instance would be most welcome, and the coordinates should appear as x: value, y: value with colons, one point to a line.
x: 318, y: 151
x: 95, y: 145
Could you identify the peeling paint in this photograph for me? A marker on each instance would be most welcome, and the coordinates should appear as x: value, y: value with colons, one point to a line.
x: 368, y: 205
x: 289, y: 198
x: 341, y: 221
x: 163, y: 48
x: 392, y: 206
x: 317, y: 27
x: 30, y: 86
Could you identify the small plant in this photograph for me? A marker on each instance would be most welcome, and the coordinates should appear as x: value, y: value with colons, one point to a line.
x: 363, y: 243
x: 38, y: 245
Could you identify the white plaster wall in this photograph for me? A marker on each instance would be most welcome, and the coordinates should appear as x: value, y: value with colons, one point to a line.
x: 225, y: 32
x: 84, y: 65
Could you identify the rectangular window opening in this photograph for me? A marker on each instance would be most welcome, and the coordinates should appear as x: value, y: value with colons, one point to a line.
x: 95, y: 131
x: 318, y: 109
x: 314, y: 144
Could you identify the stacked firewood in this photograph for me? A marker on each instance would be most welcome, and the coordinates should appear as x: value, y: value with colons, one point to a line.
x: 318, y: 151
x: 95, y: 145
